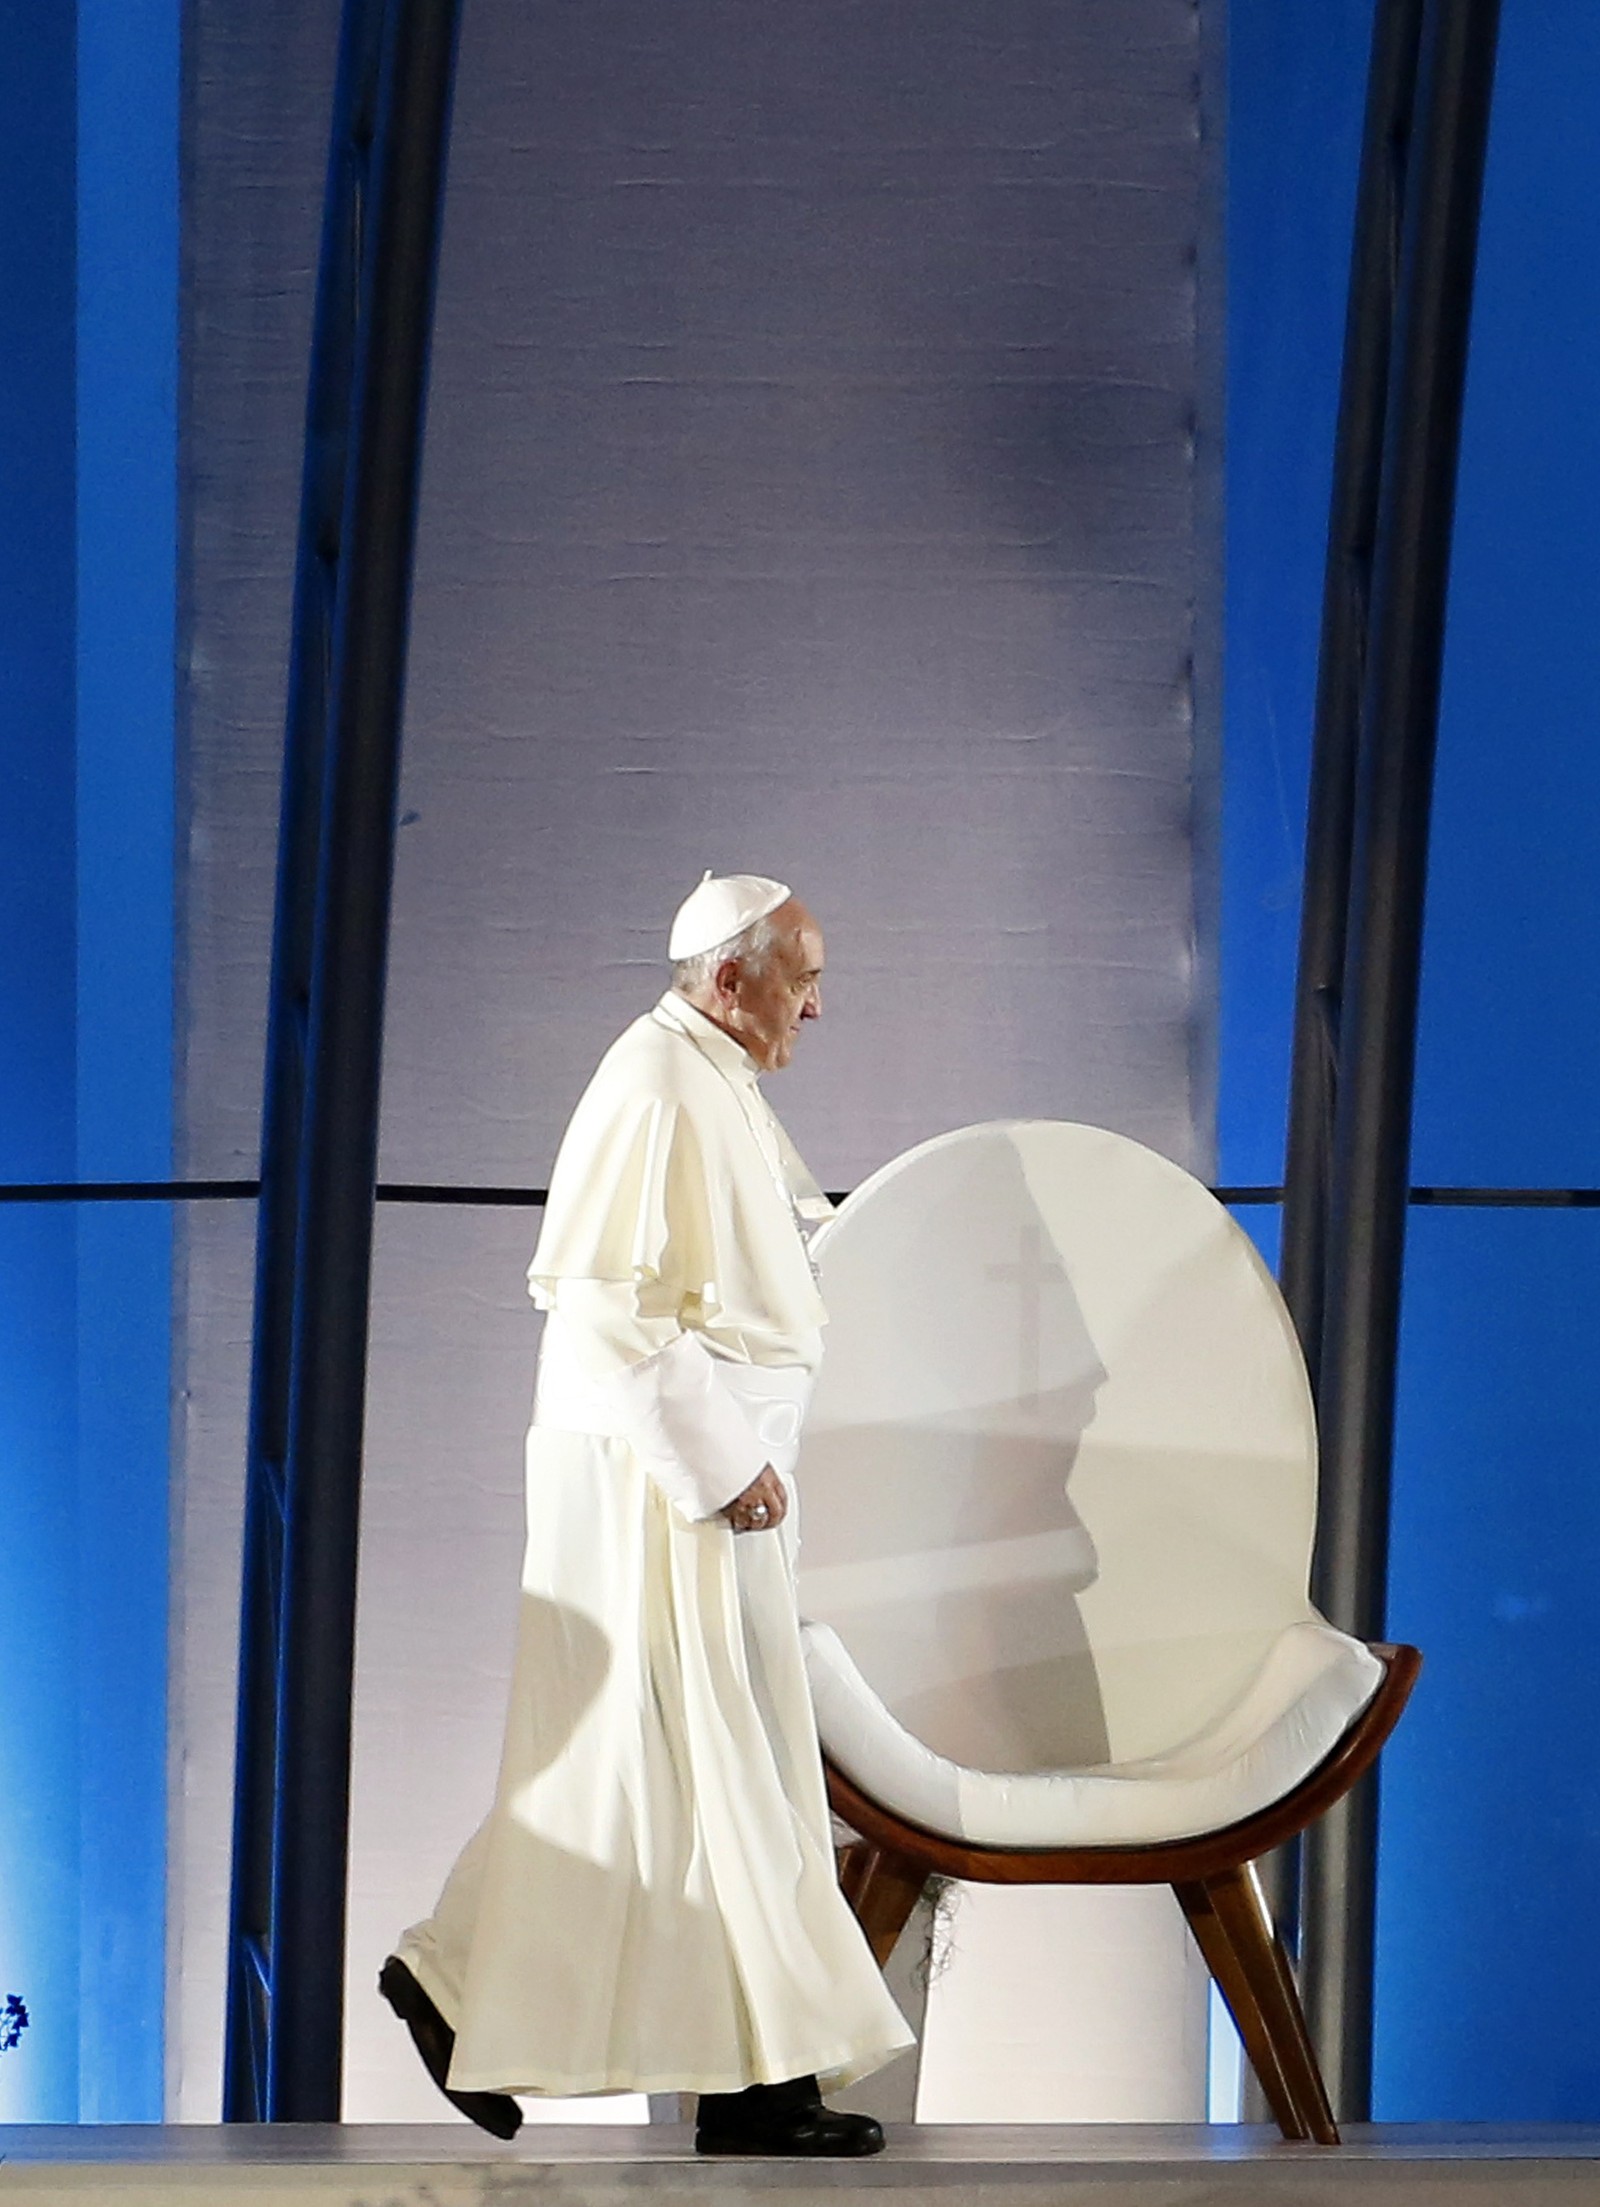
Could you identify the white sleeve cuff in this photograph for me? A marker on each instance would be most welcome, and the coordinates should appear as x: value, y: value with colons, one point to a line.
x: 689, y: 1429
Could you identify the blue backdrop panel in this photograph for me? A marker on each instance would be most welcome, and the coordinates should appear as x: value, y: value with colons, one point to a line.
x: 36, y: 590
x: 1488, y: 1939
x: 127, y: 375
x: 128, y: 80
x: 124, y: 1296
x: 88, y: 181
x: 1489, y: 1943
x: 1509, y: 1060
x: 38, y: 1353
x: 126, y: 535
x: 83, y: 1531
x: 38, y: 1709
x: 1511, y: 992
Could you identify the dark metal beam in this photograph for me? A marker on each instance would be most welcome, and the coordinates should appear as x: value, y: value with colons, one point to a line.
x: 1346, y: 596
x: 1378, y: 705
x: 325, y: 1024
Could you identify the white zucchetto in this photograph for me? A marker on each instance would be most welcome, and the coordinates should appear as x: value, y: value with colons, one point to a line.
x: 721, y: 907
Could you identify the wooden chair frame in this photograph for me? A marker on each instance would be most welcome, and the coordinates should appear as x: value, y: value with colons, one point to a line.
x: 883, y: 1875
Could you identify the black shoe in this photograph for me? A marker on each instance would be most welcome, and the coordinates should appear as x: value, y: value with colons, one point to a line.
x: 781, y: 2119
x: 495, y: 2112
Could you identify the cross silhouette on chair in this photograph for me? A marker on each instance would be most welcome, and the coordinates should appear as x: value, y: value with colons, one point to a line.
x: 1031, y: 1270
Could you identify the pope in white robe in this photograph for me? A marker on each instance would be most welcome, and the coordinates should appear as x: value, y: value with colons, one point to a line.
x: 652, y: 1903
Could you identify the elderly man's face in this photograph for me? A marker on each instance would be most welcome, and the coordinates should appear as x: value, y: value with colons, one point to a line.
x: 764, y: 1007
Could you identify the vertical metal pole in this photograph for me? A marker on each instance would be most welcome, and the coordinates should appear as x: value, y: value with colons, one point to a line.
x: 1346, y: 595
x: 247, y: 2084
x: 1377, y: 1029
x: 320, y: 1129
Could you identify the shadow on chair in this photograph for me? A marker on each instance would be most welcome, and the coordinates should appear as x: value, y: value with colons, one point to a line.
x: 1059, y: 1491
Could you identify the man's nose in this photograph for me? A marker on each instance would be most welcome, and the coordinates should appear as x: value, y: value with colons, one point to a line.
x: 812, y: 1007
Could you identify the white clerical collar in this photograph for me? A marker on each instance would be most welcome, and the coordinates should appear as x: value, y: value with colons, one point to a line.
x: 729, y: 1056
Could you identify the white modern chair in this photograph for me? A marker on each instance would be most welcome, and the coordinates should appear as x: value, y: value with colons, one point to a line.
x: 1058, y: 1493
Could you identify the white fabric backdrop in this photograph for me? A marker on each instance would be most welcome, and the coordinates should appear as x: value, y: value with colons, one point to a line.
x: 810, y: 487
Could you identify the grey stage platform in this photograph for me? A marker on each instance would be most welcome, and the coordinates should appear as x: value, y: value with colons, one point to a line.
x: 1132, y: 2165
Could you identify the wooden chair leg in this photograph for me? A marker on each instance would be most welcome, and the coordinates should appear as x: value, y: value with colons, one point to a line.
x: 882, y: 1889
x: 1234, y: 1932
x: 1217, y: 1949
x: 855, y: 1865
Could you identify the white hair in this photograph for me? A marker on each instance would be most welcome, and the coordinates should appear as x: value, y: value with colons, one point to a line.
x: 753, y: 947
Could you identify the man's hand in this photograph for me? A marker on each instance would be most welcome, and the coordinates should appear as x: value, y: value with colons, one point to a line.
x: 763, y: 1504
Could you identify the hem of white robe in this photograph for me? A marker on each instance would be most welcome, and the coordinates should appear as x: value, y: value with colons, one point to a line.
x: 834, y: 2073
x: 836, y: 2070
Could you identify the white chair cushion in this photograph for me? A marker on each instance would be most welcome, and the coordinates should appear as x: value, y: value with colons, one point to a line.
x: 1311, y: 1685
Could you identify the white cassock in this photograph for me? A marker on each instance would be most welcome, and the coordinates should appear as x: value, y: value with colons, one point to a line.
x: 652, y: 1904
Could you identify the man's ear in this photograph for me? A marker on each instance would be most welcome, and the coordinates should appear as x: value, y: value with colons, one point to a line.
x: 725, y: 979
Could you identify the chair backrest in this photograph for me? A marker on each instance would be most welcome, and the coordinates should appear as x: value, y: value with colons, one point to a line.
x: 1058, y: 1483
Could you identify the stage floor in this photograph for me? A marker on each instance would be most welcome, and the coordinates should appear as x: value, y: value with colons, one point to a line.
x: 1088, y: 2165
